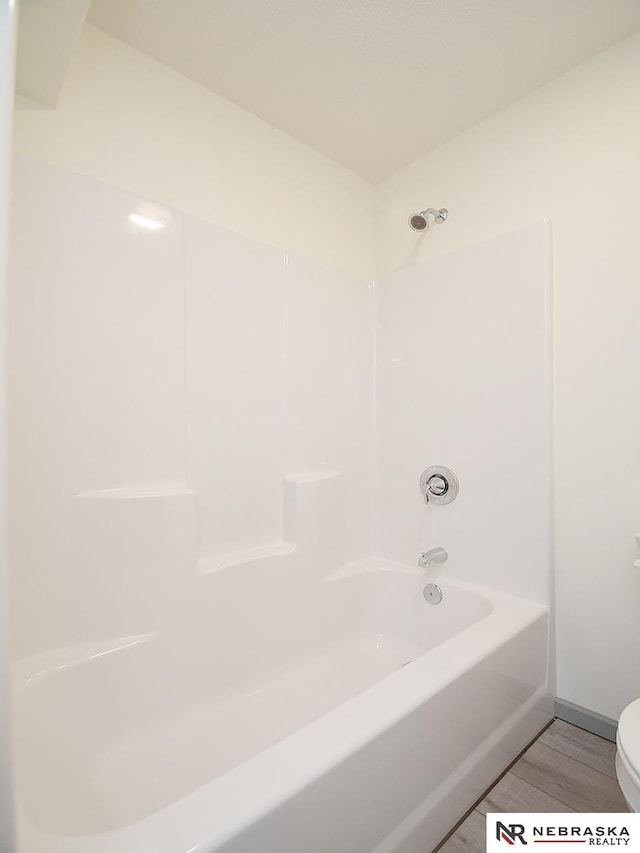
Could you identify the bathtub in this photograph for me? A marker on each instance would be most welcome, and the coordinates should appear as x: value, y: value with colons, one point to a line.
x: 373, y: 733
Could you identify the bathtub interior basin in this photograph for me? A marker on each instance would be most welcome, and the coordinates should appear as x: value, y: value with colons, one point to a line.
x: 111, y: 733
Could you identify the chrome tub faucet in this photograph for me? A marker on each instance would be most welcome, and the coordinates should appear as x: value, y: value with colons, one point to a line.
x: 433, y: 555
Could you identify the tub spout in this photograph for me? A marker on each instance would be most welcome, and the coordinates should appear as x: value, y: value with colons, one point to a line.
x: 434, y: 555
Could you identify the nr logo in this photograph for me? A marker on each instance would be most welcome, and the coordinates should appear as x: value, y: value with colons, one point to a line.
x: 509, y: 832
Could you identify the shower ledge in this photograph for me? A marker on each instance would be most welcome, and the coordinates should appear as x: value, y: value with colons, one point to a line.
x: 208, y: 565
x: 135, y: 492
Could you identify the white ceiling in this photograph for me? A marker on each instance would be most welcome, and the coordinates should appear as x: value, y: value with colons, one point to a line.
x: 47, y: 37
x: 372, y: 84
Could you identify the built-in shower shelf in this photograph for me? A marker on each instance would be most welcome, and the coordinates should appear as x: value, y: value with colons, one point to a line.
x: 216, y: 563
x: 317, y: 476
x: 137, y: 492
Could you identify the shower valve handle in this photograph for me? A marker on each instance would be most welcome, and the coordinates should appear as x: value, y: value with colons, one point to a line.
x: 439, y: 485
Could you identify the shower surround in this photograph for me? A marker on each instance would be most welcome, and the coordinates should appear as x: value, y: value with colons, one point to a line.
x: 218, y: 444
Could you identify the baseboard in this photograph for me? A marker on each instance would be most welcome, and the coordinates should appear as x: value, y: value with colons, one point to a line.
x: 585, y: 719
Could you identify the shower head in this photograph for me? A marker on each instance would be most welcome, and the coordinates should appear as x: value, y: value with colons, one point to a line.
x: 420, y: 221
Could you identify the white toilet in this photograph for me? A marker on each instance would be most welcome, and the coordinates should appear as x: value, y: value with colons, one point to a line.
x: 628, y: 755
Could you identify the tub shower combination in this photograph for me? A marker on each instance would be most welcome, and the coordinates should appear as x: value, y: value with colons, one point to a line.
x: 374, y: 731
x: 291, y: 697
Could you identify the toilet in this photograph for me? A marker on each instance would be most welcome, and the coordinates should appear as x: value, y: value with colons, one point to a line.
x: 628, y: 755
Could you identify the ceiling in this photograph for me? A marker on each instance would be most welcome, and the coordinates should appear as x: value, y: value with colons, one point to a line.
x: 372, y: 84
x: 47, y: 37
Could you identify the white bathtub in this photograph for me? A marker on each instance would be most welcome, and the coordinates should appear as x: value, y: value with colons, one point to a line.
x: 374, y: 732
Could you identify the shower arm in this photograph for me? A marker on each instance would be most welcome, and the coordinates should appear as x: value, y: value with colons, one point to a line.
x: 438, y: 215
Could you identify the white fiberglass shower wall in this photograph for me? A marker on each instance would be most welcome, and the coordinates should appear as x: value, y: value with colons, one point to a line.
x: 170, y: 378
x: 464, y: 380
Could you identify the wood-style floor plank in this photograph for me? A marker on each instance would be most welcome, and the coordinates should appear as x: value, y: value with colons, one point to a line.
x: 566, y: 769
x: 568, y: 780
x: 470, y: 837
x: 590, y: 749
x: 513, y: 794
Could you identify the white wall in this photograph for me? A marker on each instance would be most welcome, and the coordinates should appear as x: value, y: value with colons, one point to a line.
x: 128, y: 120
x: 568, y: 153
x: 7, y: 47
x: 172, y: 147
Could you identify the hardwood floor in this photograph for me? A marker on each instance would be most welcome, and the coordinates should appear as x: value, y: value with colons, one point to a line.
x: 565, y: 770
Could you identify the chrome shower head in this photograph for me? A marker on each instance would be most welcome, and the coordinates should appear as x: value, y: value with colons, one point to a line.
x: 420, y: 221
